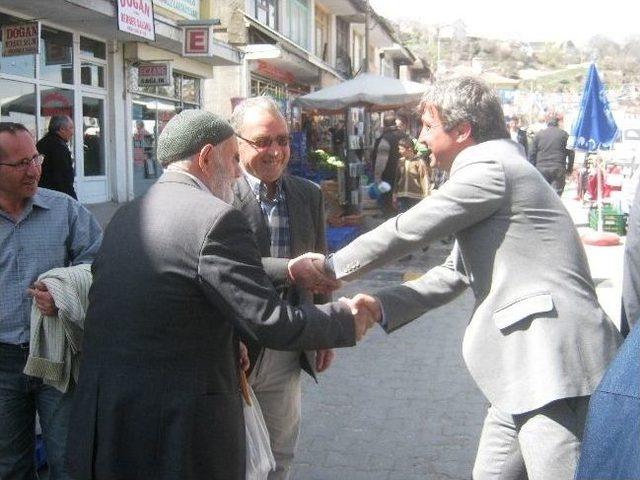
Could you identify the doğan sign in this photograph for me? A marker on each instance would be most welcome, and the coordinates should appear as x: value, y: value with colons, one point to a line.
x: 136, y: 17
x: 20, y: 39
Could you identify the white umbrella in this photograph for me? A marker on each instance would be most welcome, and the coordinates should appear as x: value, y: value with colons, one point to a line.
x: 374, y: 91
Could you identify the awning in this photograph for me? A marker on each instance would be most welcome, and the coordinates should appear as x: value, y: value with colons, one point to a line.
x: 377, y: 92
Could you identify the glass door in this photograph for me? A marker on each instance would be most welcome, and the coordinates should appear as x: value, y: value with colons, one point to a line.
x: 91, y: 166
x: 150, y: 116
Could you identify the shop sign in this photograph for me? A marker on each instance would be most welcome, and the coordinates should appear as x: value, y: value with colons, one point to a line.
x: 268, y: 70
x: 156, y: 74
x: 20, y: 39
x: 185, y: 8
x: 136, y: 17
x: 198, y: 41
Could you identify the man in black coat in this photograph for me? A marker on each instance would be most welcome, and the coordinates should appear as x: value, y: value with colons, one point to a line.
x: 57, y: 170
x: 385, y: 160
x: 177, y: 278
x: 517, y: 134
x: 550, y: 155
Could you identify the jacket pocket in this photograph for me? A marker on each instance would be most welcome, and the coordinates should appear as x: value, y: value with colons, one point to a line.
x: 522, y: 308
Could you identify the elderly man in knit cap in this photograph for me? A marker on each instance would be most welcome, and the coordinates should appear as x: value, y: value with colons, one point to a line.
x: 178, y: 276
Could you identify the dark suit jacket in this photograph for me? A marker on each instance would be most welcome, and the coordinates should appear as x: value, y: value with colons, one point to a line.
x: 549, y: 150
x: 158, y: 395
x: 523, y: 140
x: 57, y: 169
x: 307, y: 234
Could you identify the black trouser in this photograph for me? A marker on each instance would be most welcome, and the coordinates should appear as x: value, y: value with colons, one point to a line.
x: 554, y: 177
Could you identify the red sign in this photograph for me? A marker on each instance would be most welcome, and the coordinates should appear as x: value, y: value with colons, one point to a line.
x: 55, y: 103
x: 275, y: 73
x: 154, y: 74
x: 197, y: 41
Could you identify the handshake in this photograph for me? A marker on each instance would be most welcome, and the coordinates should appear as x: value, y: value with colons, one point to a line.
x: 308, y: 271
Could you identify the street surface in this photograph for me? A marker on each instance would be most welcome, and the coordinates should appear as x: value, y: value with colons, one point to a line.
x: 403, y: 406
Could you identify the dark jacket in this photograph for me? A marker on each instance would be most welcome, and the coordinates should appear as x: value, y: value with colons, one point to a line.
x: 548, y: 150
x: 523, y: 140
x: 392, y: 135
x: 57, y: 170
x: 611, y: 442
x: 307, y: 234
x: 158, y: 395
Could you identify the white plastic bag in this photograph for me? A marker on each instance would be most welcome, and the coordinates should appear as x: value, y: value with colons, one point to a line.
x: 260, y: 459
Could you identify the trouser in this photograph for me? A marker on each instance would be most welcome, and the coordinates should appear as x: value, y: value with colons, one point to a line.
x: 543, y: 444
x: 275, y: 380
x: 555, y: 176
x: 21, y: 396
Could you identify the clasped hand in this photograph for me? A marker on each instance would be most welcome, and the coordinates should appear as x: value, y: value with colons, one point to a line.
x: 307, y: 271
x: 366, y: 312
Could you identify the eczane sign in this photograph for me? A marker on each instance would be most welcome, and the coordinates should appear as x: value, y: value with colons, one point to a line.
x: 154, y: 74
x: 136, y: 17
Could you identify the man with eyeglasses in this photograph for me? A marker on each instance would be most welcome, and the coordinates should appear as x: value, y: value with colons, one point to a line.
x: 286, y: 216
x: 538, y: 341
x: 57, y: 171
x: 39, y: 230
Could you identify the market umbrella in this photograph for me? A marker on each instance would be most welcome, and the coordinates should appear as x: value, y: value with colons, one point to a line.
x: 594, y: 129
x: 375, y: 91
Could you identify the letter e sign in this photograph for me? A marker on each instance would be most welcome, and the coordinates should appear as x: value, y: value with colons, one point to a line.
x: 196, y: 41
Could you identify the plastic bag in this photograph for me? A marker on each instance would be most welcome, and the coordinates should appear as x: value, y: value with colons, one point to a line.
x: 260, y: 459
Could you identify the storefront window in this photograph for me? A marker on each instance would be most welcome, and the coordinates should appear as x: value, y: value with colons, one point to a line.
x: 22, y: 65
x: 190, y: 90
x: 90, y: 48
x: 56, y: 57
x: 92, y: 74
x: 18, y: 104
x: 93, y: 136
x: 150, y: 116
x: 55, y: 101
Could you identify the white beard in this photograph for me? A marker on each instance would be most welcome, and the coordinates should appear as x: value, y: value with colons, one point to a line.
x: 222, y: 187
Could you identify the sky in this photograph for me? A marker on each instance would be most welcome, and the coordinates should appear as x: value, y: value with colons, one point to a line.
x: 536, y: 20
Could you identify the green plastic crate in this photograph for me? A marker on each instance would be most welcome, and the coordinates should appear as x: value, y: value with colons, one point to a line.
x: 612, y: 220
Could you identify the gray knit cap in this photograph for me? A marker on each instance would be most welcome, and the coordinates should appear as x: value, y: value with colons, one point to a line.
x: 188, y: 132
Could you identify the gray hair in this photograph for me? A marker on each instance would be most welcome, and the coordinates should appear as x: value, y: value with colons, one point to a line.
x: 266, y: 104
x: 57, y: 122
x: 467, y: 99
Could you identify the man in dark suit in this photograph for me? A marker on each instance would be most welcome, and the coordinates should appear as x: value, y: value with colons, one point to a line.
x: 57, y: 169
x: 385, y: 160
x: 286, y: 215
x: 517, y: 134
x: 550, y: 155
x: 177, y: 278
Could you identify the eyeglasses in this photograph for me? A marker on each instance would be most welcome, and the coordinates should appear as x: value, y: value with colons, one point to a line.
x: 266, y: 142
x: 25, y: 163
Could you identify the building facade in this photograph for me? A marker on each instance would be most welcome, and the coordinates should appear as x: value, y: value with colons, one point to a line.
x: 88, y: 68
